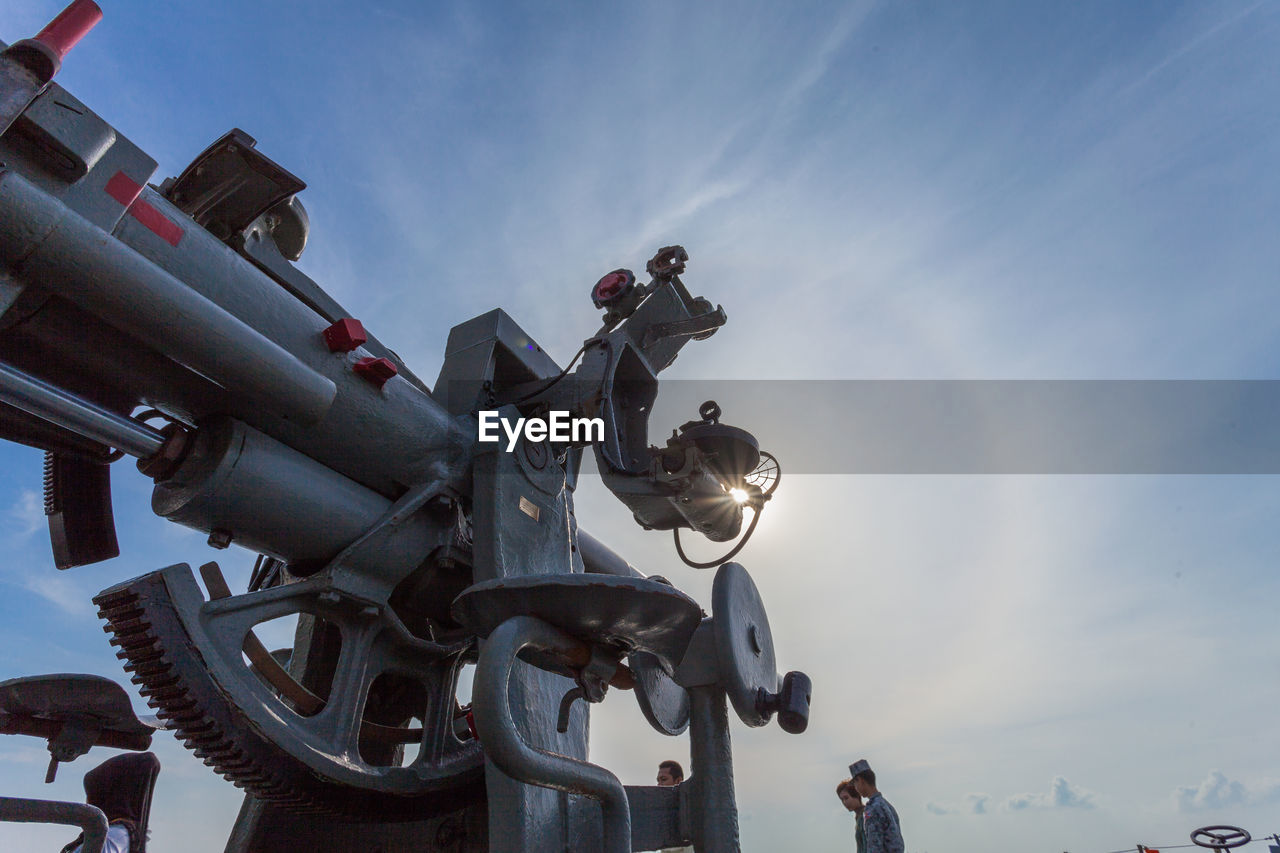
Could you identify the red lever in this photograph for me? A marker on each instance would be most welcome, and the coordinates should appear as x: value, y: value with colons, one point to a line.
x: 376, y: 371
x: 71, y: 25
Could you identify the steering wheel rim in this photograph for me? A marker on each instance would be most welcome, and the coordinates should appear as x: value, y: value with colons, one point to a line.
x: 1220, y: 837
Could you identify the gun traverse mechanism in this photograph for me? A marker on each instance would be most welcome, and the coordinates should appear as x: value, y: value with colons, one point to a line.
x: 167, y: 322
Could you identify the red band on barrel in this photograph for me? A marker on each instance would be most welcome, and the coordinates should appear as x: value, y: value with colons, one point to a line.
x: 126, y: 190
x: 156, y: 222
x: 70, y: 26
x: 123, y: 188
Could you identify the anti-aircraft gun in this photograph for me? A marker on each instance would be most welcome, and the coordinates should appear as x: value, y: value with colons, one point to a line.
x: 167, y: 322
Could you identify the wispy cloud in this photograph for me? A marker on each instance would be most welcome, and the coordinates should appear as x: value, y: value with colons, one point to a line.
x: 812, y: 72
x: 1180, y: 51
x: 27, y: 513
x: 62, y: 591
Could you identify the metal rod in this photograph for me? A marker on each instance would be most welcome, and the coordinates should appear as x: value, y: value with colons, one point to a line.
x: 506, y: 748
x: 598, y: 558
x: 82, y: 417
x: 715, y: 814
x: 89, y: 818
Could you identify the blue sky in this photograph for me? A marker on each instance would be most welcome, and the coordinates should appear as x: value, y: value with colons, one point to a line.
x: 872, y: 191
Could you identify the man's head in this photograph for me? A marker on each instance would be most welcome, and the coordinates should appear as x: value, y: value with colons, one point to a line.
x: 864, y: 778
x: 848, y: 796
x: 865, y: 783
x: 670, y: 773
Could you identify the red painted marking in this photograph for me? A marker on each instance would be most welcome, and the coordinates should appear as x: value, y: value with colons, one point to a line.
x: 156, y: 222
x: 125, y: 190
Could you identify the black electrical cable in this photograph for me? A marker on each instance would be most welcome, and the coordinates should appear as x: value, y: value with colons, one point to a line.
x: 548, y: 386
x: 736, y: 548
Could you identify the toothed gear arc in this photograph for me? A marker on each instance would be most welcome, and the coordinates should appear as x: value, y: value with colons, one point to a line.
x: 157, y: 675
x: 174, y: 680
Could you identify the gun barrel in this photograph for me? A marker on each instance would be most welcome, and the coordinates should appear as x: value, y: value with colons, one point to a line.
x: 109, y: 279
x: 77, y: 414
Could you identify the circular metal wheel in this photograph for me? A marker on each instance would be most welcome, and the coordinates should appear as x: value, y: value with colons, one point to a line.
x: 664, y: 703
x: 343, y: 756
x: 1220, y: 837
x: 744, y: 643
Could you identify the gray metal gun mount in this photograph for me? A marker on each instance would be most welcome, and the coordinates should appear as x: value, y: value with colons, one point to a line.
x: 405, y: 546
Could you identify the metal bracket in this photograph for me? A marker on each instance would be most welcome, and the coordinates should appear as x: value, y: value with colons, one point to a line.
x: 690, y: 328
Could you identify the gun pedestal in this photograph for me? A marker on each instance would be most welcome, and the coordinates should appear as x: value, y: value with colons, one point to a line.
x: 579, y: 625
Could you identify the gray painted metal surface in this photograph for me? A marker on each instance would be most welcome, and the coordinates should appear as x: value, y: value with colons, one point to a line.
x: 714, y: 809
x: 377, y: 507
x: 511, y: 542
x: 91, y: 820
x: 108, y: 279
x: 507, y: 749
x: 55, y: 405
x: 622, y: 614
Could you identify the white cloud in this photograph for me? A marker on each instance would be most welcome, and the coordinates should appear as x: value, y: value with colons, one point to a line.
x: 63, y: 591
x: 1215, y: 792
x: 28, y: 513
x: 1061, y: 795
x: 978, y: 803
x: 934, y: 808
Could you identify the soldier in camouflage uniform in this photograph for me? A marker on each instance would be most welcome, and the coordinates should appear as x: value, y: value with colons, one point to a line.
x: 879, y: 819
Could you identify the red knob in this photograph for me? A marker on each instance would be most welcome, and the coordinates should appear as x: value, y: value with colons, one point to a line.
x: 611, y: 286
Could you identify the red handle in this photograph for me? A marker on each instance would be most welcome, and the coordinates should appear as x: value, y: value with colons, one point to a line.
x: 70, y: 26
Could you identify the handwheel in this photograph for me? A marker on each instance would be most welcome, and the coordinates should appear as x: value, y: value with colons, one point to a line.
x: 743, y: 642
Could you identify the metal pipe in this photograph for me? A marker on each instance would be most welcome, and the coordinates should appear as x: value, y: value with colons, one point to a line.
x: 89, y: 818
x: 598, y: 558
x: 715, y: 813
x: 65, y: 409
x: 507, y: 749
x: 79, y: 261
